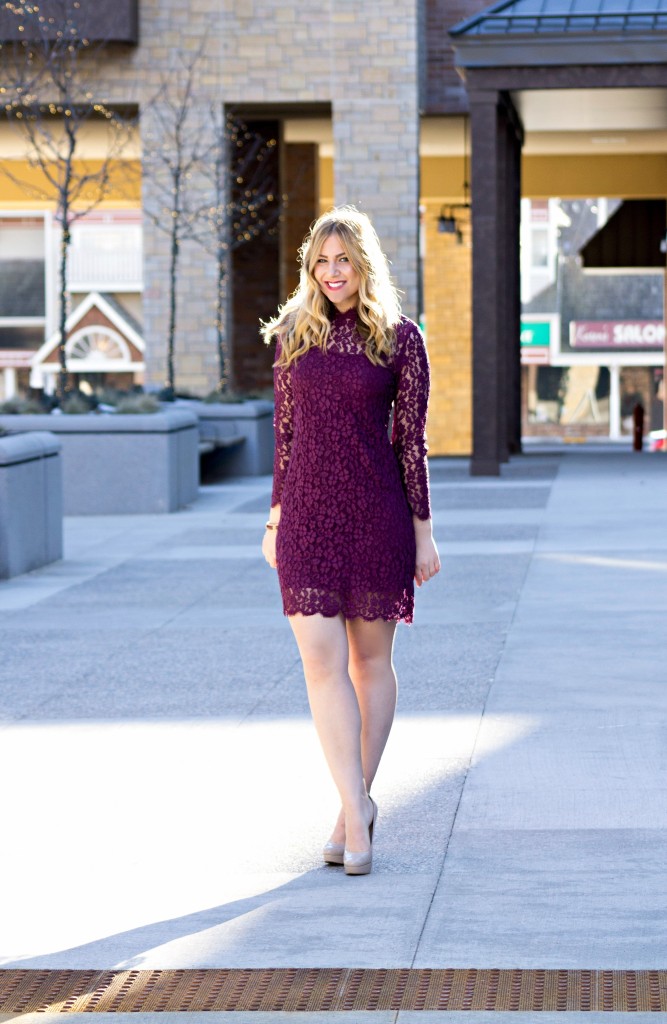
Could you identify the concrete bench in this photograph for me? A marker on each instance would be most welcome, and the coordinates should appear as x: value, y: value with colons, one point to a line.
x: 133, y: 464
x: 236, y: 438
x: 31, y: 502
x: 214, y: 434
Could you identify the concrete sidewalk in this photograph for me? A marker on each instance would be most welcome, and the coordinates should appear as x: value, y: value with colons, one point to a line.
x: 165, y: 799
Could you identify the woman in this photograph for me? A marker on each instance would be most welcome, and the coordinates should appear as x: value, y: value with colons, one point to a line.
x: 349, y: 527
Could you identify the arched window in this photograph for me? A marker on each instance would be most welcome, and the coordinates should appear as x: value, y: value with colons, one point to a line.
x: 96, y: 345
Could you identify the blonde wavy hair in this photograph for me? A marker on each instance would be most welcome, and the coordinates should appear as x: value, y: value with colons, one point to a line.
x: 304, y: 321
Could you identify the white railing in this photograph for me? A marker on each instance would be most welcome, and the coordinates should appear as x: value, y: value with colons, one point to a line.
x: 105, y: 269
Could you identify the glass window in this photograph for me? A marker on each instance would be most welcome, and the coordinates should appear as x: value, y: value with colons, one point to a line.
x: 21, y: 337
x: 21, y: 267
x: 540, y: 247
x: 640, y: 386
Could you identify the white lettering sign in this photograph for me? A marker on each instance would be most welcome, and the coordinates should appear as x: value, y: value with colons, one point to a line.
x: 617, y: 334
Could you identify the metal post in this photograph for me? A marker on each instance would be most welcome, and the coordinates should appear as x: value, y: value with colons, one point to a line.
x: 614, y: 402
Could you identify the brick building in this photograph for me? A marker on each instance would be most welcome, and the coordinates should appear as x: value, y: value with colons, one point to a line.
x: 365, y: 105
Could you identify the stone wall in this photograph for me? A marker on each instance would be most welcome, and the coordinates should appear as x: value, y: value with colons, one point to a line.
x: 444, y: 91
x: 361, y: 61
x: 364, y: 62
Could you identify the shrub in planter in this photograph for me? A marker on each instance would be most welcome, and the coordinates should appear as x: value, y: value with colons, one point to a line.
x: 18, y: 406
x: 143, y: 404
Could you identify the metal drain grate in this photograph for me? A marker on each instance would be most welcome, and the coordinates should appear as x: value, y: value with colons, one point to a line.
x: 320, y: 990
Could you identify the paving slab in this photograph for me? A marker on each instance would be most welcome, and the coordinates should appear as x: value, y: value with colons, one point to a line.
x: 556, y: 855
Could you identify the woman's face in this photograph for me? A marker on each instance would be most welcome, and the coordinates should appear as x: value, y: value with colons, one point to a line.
x: 335, y: 274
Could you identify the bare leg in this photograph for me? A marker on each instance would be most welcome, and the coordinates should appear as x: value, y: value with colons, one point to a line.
x: 372, y: 673
x: 323, y: 646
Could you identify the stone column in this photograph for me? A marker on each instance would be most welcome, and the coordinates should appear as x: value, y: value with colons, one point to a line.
x: 375, y: 106
x: 512, y: 139
x: 194, y: 344
x: 376, y: 167
x: 495, y: 135
x: 486, y: 292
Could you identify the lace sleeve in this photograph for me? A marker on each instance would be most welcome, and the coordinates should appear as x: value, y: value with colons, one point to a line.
x: 409, y: 427
x: 282, y: 425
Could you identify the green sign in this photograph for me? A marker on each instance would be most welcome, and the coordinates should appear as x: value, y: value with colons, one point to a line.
x: 534, y: 334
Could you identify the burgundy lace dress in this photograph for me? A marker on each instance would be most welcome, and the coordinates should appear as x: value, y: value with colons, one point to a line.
x: 346, y: 541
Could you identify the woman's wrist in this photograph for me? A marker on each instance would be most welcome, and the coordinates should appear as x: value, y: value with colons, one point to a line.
x: 274, y: 517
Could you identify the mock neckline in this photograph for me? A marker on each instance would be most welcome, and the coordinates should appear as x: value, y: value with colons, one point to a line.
x: 349, y: 314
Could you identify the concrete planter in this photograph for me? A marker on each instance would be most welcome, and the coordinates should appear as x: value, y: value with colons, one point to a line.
x: 31, y: 502
x: 250, y: 423
x: 123, y: 464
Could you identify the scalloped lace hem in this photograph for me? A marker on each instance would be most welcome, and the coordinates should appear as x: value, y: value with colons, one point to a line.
x: 310, y: 602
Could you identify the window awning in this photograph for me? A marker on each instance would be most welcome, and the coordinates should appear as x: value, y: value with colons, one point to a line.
x: 630, y: 238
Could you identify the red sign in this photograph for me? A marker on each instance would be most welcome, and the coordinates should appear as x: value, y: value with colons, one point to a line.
x: 534, y: 356
x: 613, y: 334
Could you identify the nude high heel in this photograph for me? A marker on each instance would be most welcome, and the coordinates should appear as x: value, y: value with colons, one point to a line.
x: 333, y: 853
x: 361, y: 863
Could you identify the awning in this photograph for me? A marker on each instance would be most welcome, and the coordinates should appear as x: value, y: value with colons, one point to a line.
x: 631, y: 237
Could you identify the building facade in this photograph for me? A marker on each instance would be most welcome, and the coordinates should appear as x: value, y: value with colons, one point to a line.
x: 362, y: 104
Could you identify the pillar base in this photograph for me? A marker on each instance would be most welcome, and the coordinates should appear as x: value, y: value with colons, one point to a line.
x: 484, y: 467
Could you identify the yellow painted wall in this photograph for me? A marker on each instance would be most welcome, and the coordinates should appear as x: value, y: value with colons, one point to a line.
x: 585, y: 175
x: 568, y: 176
x: 442, y: 178
x: 35, y: 192
x: 326, y: 184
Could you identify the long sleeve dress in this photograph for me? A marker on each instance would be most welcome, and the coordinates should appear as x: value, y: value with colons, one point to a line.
x: 346, y: 542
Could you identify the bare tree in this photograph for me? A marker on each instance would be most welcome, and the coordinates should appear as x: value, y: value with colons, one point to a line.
x: 50, y: 98
x: 175, y: 149
x: 211, y: 185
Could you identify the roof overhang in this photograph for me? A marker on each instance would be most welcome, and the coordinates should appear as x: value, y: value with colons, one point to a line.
x: 631, y: 237
x: 524, y: 33
x: 535, y: 51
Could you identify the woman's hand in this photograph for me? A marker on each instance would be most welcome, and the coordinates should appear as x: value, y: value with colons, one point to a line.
x: 269, y: 547
x: 427, y: 562
x: 270, y: 537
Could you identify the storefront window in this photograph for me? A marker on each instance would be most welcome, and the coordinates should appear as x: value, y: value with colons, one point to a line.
x: 592, y: 335
x: 641, y: 385
x: 568, y: 396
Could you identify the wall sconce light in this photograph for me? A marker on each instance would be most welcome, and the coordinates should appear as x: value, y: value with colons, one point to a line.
x: 447, y: 221
x: 447, y: 224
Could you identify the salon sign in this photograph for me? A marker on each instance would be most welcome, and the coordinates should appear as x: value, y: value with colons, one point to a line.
x: 617, y: 334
